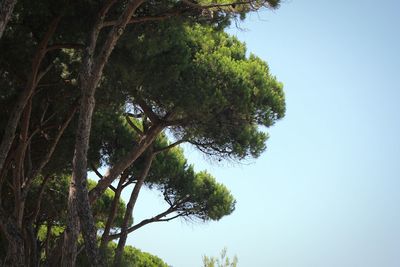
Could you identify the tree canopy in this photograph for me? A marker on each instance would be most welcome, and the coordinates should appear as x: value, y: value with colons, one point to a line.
x: 161, y: 74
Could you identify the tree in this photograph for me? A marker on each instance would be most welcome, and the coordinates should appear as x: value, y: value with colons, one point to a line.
x: 90, y: 74
x: 131, y: 257
x: 70, y: 46
x: 222, y: 261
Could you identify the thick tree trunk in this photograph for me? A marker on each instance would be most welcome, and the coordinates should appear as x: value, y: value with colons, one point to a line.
x: 90, y: 75
x: 69, y: 247
x: 15, y: 249
x: 6, y: 9
x: 129, y: 208
x: 78, y: 202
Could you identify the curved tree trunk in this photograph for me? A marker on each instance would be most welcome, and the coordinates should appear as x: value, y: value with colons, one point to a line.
x: 111, y: 217
x: 129, y: 208
x: 90, y: 75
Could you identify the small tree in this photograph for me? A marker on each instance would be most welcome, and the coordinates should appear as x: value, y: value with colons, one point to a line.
x: 222, y: 261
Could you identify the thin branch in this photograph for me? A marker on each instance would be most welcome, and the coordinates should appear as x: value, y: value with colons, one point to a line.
x: 94, y: 169
x: 171, y: 218
x: 39, y: 198
x: 51, y: 150
x: 147, y: 110
x: 169, y: 146
x: 144, y: 222
x: 112, y: 213
x: 10, y: 129
x: 42, y: 73
x: 146, y: 19
x: 136, y: 116
x: 134, y: 127
x: 131, y: 205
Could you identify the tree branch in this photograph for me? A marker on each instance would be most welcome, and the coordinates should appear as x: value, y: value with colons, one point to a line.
x: 147, y: 110
x: 39, y: 198
x: 169, y: 146
x: 131, y: 205
x: 157, y: 218
x: 162, y: 17
x: 9, y: 133
x: 134, y: 127
x: 94, y: 169
x: 255, y: 5
x: 51, y: 150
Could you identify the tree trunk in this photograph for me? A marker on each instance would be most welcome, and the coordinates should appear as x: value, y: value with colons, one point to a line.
x: 129, y: 208
x: 90, y: 75
x: 78, y: 202
x: 6, y: 9
x: 124, y: 163
x: 113, y: 212
x: 71, y: 233
x: 15, y: 250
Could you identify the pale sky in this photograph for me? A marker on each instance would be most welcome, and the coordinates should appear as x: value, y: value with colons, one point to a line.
x: 326, y: 193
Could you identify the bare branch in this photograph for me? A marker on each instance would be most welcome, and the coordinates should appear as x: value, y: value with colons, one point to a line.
x: 134, y: 127
x: 39, y: 198
x: 136, y: 116
x: 134, y: 20
x: 130, y: 206
x: 94, y: 169
x: 51, y: 150
x: 156, y: 218
x: 147, y: 110
x: 169, y: 146
x: 42, y: 73
x: 113, y: 212
x: 9, y: 133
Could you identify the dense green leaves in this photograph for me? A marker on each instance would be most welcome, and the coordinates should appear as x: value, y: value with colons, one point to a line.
x: 176, y: 71
x: 207, y: 69
x: 131, y: 257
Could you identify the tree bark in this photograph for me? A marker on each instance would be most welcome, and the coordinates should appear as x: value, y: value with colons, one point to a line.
x: 113, y: 212
x: 90, y: 74
x: 127, y: 161
x: 78, y: 202
x: 71, y: 233
x: 11, y: 127
x: 6, y: 9
x: 15, y: 251
x: 129, y: 208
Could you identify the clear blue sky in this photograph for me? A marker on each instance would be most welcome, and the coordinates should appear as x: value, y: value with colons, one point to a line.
x: 326, y: 193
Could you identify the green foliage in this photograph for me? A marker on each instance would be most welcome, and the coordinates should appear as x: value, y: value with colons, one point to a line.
x: 198, y: 195
x: 131, y: 257
x: 56, y: 193
x: 188, y: 66
x: 222, y: 261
